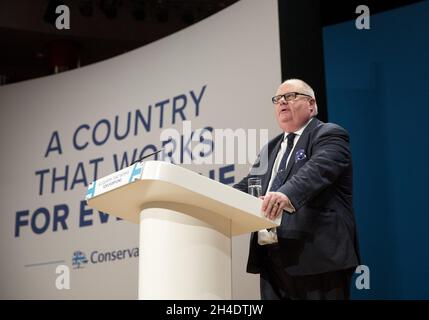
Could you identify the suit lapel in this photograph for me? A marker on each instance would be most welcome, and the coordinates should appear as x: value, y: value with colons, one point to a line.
x: 301, y: 144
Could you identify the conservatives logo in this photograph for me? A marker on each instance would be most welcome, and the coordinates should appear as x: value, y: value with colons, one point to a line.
x: 79, y: 258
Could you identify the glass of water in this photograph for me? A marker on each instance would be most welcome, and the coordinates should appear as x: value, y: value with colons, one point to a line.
x: 254, y: 187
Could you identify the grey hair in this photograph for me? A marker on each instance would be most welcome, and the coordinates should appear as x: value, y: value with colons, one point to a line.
x: 305, y: 88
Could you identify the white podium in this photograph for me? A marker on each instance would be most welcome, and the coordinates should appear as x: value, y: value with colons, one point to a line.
x: 186, y: 224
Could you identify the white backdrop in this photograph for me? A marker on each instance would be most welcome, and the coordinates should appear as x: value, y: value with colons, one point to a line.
x: 55, y: 131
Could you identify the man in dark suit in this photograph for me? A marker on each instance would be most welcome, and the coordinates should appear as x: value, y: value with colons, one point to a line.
x: 307, y: 181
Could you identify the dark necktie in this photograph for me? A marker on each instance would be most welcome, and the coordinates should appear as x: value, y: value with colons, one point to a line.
x: 278, y: 180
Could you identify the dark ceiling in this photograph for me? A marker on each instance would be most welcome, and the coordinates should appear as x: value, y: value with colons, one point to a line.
x: 31, y: 46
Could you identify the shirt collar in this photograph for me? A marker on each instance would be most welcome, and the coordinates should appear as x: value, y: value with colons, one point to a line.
x: 298, y: 132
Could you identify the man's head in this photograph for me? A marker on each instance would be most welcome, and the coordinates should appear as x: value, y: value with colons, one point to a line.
x: 295, y: 104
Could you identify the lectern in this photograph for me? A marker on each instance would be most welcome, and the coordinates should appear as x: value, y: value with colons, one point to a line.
x: 186, y: 224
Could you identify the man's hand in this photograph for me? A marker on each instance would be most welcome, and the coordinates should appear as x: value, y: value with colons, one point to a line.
x: 274, y: 203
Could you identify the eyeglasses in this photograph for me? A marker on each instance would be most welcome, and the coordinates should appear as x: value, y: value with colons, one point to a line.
x: 288, y: 96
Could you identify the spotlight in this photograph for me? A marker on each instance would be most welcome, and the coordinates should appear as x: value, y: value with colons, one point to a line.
x: 86, y: 8
x: 162, y: 14
x: 139, y: 12
x: 109, y: 8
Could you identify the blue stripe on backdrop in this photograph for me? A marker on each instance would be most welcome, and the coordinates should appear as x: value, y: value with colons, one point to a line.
x: 377, y: 89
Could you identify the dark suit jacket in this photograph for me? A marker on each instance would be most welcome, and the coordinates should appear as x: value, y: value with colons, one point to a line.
x: 321, y: 235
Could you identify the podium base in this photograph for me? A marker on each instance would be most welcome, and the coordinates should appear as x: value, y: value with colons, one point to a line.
x: 182, y: 257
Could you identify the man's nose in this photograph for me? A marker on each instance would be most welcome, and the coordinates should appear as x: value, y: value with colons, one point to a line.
x: 282, y: 101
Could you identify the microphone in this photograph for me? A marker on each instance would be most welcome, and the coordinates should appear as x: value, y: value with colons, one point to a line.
x: 147, y: 156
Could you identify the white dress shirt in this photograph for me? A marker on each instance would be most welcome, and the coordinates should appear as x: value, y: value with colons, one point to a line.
x: 265, y: 236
